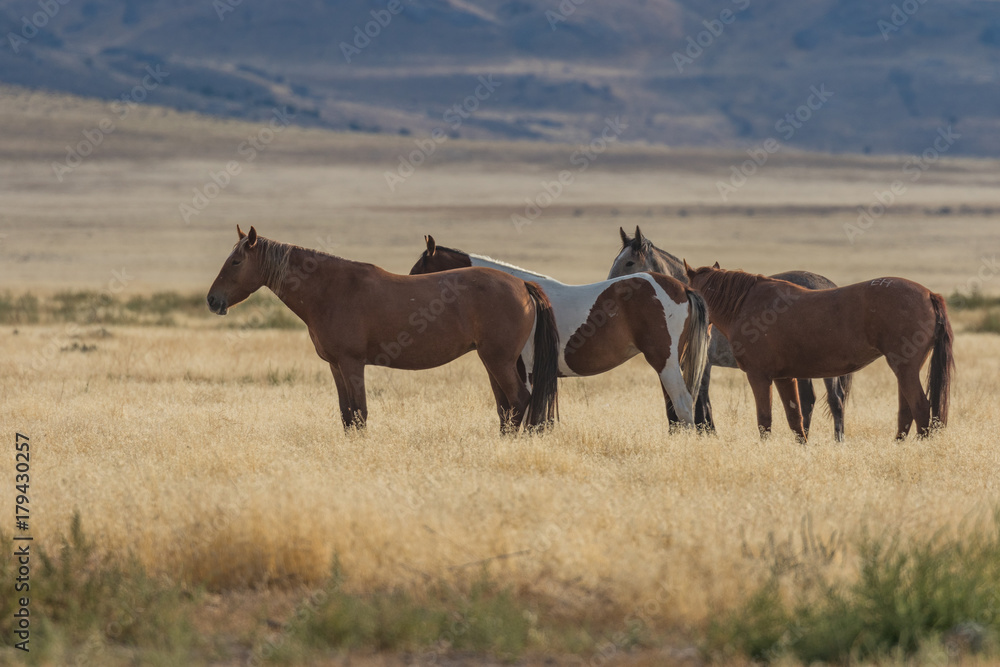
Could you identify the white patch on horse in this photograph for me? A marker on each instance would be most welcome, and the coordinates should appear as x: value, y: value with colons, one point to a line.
x: 572, y: 305
x: 676, y: 315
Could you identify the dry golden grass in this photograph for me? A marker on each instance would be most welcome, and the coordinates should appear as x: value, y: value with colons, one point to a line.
x: 217, y: 455
x: 223, y: 463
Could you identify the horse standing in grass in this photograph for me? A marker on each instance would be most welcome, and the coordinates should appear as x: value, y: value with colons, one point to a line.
x: 800, y: 333
x: 639, y: 254
x: 605, y: 324
x: 359, y: 314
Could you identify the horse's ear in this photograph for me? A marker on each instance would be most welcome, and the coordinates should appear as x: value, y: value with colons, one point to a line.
x: 716, y: 266
x: 251, y: 237
x: 625, y: 238
x: 687, y: 269
x: 431, y: 245
x: 240, y: 231
x: 638, y: 235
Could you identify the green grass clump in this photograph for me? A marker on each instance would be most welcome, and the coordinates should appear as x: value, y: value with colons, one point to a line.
x: 974, y: 300
x: 482, y: 618
x: 22, y: 309
x: 990, y: 323
x: 906, y: 597
x: 262, y: 310
x: 83, y: 601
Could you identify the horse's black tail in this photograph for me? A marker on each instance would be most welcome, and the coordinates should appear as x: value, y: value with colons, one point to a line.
x: 942, y: 363
x: 544, y: 402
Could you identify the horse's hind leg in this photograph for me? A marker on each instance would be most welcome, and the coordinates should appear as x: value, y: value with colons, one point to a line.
x: 835, y: 399
x: 920, y: 408
x: 503, y: 406
x: 807, y: 399
x: 761, y: 387
x: 905, y: 417
x: 672, y: 419
x: 789, y: 392
x: 505, y: 375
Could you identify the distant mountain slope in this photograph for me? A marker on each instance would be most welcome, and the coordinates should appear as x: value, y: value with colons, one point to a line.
x: 680, y: 72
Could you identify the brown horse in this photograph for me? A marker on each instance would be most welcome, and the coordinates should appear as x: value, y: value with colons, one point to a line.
x: 780, y: 331
x: 603, y: 325
x: 359, y: 314
x: 639, y: 254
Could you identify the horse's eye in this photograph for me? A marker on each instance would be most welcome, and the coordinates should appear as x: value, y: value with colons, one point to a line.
x: 630, y: 263
x: 236, y: 262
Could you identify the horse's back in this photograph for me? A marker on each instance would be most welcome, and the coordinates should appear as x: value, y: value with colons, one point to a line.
x: 806, y: 279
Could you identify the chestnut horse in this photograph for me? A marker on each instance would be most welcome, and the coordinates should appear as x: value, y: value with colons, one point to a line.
x: 795, y: 332
x: 359, y: 314
x: 605, y: 324
x: 639, y: 254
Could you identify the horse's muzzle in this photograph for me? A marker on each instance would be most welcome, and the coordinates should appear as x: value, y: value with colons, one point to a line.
x: 217, y: 305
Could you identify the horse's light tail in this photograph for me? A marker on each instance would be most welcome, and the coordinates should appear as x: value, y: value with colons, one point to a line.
x: 942, y: 363
x: 694, y: 356
x: 544, y: 403
x: 846, y: 383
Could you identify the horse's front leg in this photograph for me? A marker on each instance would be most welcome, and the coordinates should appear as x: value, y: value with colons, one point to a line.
x: 350, y: 379
x: 788, y: 390
x: 761, y: 387
x: 807, y: 401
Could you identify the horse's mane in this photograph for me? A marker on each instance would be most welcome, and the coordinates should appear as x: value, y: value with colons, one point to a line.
x: 454, y: 250
x: 274, y: 259
x: 509, y: 265
x: 725, y: 290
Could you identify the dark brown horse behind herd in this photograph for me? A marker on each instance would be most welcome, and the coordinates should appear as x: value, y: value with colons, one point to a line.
x: 801, y: 333
x: 359, y: 314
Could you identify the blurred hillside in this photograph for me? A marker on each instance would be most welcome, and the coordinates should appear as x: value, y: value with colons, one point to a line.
x: 552, y: 70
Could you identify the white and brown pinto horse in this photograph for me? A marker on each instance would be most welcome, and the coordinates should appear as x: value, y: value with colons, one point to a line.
x: 605, y: 324
x: 359, y: 314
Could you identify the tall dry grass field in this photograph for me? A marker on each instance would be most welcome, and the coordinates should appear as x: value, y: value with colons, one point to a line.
x: 215, y: 454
